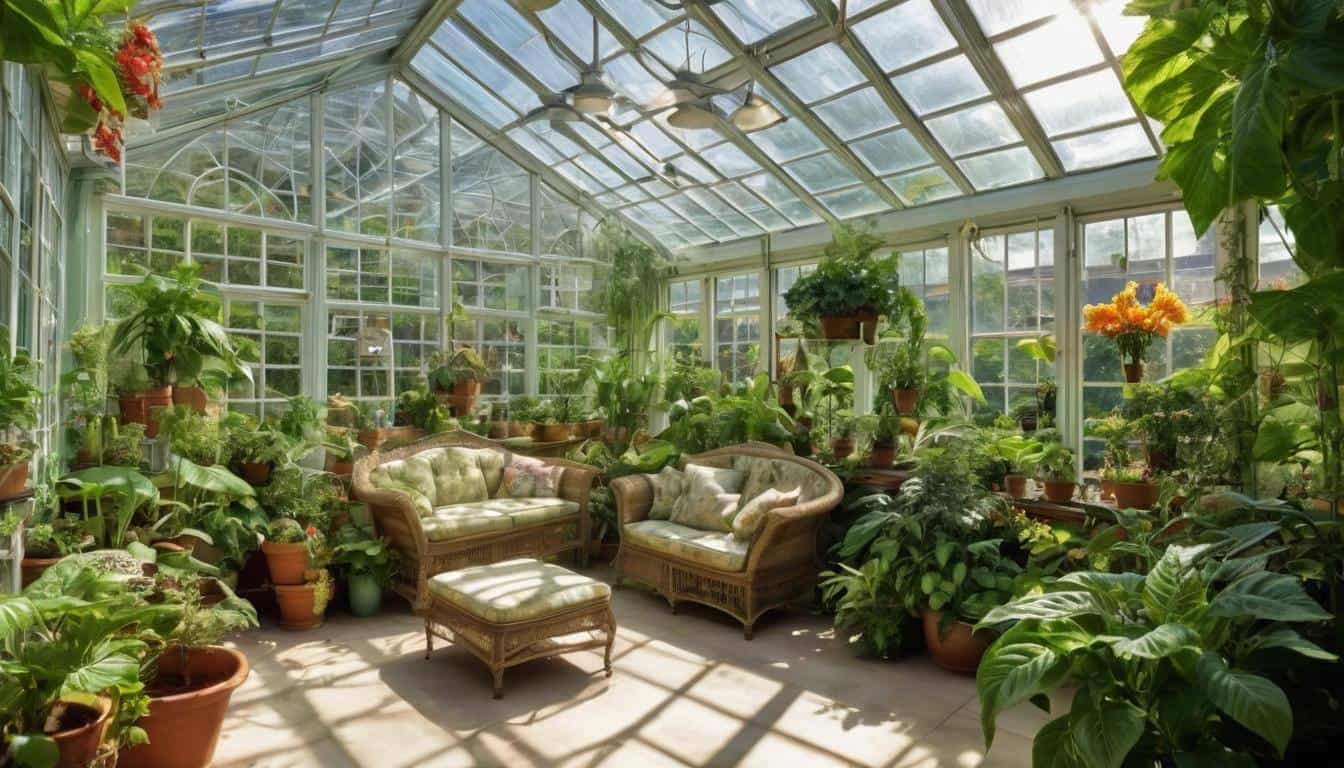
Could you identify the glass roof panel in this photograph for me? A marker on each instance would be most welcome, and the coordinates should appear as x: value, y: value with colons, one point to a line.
x: 672, y: 46
x: 926, y: 186
x: 1056, y: 48
x: 855, y: 201
x: 639, y: 17
x: 754, y: 20
x: 1093, y: 150
x: 623, y: 160
x: 820, y: 173
x: 1119, y: 29
x: 857, y: 114
x: 455, y: 44
x: 588, y: 133
x: 730, y: 160
x: 903, y: 35
x: 689, y: 167
x: 1082, y: 103
x: 633, y: 80
x: 856, y: 7
x: 654, y: 139
x: 562, y: 143
x: 511, y: 32
x: 981, y: 127
x: 529, y: 141
x: 578, y: 177
x: 892, y: 152
x: 573, y: 24
x: 1002, y: 168
x: 823, y: 71
x: 786, y: 141
x: 997, y: 16
x: 455, y: 83
x: 295, y: 16
x: 742, y: 199
x: 780, y: 196
x: 605, y: 174
x: 941, y: 85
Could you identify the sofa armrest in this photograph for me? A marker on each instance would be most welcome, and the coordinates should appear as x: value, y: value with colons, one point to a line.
x: 394, y: 515
x: 634, y: 498
x: 576, y: 484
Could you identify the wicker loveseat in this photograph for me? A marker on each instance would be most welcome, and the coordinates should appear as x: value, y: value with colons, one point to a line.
x: 441, y: 503
x: 742, y: 578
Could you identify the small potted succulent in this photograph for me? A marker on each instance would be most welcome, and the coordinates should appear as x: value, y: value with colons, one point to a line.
x: 1058, y: 472
x: 368, y: 562
x: 18, y: 413
x: 456, y: 379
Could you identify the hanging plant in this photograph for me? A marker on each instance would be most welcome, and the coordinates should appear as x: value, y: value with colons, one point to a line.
x: 1132, y: 326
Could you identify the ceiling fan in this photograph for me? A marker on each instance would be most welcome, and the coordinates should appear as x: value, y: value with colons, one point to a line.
x: 590, y: 96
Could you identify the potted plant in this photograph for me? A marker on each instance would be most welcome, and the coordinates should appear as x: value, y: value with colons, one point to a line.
x: 304, y: 606
x: 849, y: 290
x: 961, y: 582
x: 1059, y: 473
x: 843, y: 428
x: 18, y: 412
x: 1132, y: 488
x: 886, y: 429
x: 1132, y: 326
x: 456, y: 378
x: 45, y: 544
x: 194, y: 435
x: 522, y: 412
x: 1021, y: 454
x: 499, y: 421
x: 549, y: 429
x: 342, y: 451
x: 420, y: 412
x: 369, y: 563
x: 791, y: 378
x: 257, y: 449
x: 1115, y: 432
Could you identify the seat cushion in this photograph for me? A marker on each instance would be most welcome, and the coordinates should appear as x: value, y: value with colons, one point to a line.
x: 516, y: 590
x: 713, y: 549
x: 492, y: 515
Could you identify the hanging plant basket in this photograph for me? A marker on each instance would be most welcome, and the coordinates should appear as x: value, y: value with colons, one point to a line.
x: 1134, y: 372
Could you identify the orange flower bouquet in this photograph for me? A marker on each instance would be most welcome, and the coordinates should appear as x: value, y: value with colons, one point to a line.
x: 1132, y: 326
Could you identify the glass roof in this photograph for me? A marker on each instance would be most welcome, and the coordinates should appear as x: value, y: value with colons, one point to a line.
x: 907, y: 103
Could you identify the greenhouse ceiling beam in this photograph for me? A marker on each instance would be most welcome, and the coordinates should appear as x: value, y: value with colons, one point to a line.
x: 279, y: 75
x: 423, y: 30
x: 960, y: 21
x: 760, y: 74
x: 516, y: 153
x: 736, y: 135
x: 896, y: 103
x: 1106, y: 189
x: 1084, y: 9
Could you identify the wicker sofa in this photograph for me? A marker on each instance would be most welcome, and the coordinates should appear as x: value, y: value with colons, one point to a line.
x: 744, y: 579
x: 427, y: 499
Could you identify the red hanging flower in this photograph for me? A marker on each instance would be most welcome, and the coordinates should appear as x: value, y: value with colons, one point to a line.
x: 141, y: 63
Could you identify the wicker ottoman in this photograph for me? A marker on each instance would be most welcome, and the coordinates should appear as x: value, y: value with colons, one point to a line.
x: 519, y: 610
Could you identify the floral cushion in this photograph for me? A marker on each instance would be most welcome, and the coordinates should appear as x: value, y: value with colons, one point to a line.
x: 457, y: 475
x: 526, y: 477
x: 668, y: 486
x: 751, y: 516
x: 516, y: 590
x: 407, y: 475
x: 492, y: 515
x: 781, y: 474
x: 709, y: 498
x: 712, y: 549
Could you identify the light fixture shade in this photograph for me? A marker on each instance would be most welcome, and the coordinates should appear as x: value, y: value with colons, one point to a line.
x: 755, y: 114
x: 592, y: 102
x: 674, y: 95
x: 693, y: 116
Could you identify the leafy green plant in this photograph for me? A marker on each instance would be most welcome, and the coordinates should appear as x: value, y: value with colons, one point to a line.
x: 194, y: 435
x: 109, y: 498
x: 848, y: 281
x: 419, y: 407
x: 1056, y: 463
x: 54, y: 539
x: 711, y: 421
x: 462, y: 364
x: 1168, y: 664
x: 619, y: 390
x: 523, y: 408
x: 630, y: 291
x: 18, y: 401
x: 362, y: 553
x: 255, y: 443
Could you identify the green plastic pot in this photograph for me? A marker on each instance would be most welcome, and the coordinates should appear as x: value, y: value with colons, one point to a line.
x: 366, y: 595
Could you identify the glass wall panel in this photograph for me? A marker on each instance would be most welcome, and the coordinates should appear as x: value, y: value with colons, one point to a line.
x: 686, y: 304
x: 356, y: 158
x: 924, y: 271
x: 417, y: 190
x: 378, y: 276
x: 491, y: 197
x: 480, y: 284
x: 276, y: 330
x: 1277, y: 268
x: 502, y: 344
x: 737, y: 325
x: 1012, y: 298
x: 561, y: 342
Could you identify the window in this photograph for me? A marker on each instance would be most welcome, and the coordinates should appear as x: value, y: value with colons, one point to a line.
x: 502, y: 344
x: 246, y: 256
x: 560, y: 344
x: 686, y: 302
x: 1012, y: 298
x: 924, y: 272
x: 417, y: 190
x: 568, y: 285
x: 785, y: 277
x: 276, y: 331
x: 355, y: 157
x: 494, y: 285
x: 359, y: 356
x: 1277, y: 269
x: 737, y: 325
x: 415, y: 337
x: 492, y: 207
x: 377, y: 276
x: 139, y: 243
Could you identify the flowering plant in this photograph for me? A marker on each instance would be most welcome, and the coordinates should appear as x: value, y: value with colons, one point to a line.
x: 1131, y: 325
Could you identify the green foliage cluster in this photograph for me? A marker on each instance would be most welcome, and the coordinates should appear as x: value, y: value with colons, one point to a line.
x: 848, y: 281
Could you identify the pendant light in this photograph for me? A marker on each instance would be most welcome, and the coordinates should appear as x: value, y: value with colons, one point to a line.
x: 756, y: 113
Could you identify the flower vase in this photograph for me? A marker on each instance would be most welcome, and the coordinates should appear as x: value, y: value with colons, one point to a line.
x: 1134, y: 372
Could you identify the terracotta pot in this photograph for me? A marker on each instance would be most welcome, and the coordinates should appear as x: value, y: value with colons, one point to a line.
x: 1135, y: 495
x: 839, y: 328
x: 286, y: 562
x: 959, y: 647
x: 786, y: 396
x: 1028, y: 422
x: 464, y: 396
x: 13, y: 480
x: 1107, y: 489
x: 1017, y: 485
x: 881, y: 456
x: 183, y: 728
x: 339, y: 466
x: 619, y: 435
x: 78, y: 746
x: 520, y: 429
x: 296, y: 606
x: 256, y: 473
x: 194, y: 397
x: 594, y: 427
x: 33, y: 567
x: 905, y: 400
x: 1134, y: 372
x: 842, y: 447
x: 138, y: 407
x: 1059, y: 492
x: 498, y: 430
x: 554, y: 433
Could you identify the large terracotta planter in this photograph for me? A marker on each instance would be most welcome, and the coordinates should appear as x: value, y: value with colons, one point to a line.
x: 31, y: 568
x: 842, y: 447
x: 882, y: 455
x: 138, y: 407
x: 256, y: 472
x: 1134, y: 372
x: 1059, y: 492
x: 13, y: 480
x: 193, y: 397
x: 462, y: 399
x: 553, y: 433
x: 79, y: 741
x: 1017, y: 485
x: 1135, y: 495
x: 839, y: 328
x: 959, y: 648
x: 905, y: 400
x: 183, y: 727
x: 296, y: 607
x: 286, y: 562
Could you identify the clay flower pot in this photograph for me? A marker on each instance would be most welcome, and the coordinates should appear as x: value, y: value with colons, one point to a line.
x: 867, y: 326
x: 138, y: 407
x: 1059, y: 492
x: 183, y: 724
x: 286, y: 562
x: 520, y: 429
x: 193, y: 397
x: 464, y: 395
x: 959, y: 647
x: 882, y: 455
x: 296, y: 606
x: 80, y: 731
x: 33, y: 567
x: 13, y: 480
x: 255, y: 472
x: 594, y: 427
x: 1107, y: 489
x: 554, y: 433
x: 839, y: 328
x: 1134, y: 372
x: 339, y: 466
x: 1135, y: 495
x: 1017, y: 485
x: 905, y: 400
x: 842, y: 447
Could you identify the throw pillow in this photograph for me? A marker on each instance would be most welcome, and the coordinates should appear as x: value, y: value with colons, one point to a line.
x: 705, y: 502
x: 526, y: 477
x: 668, y: 485
x: 752, y: 515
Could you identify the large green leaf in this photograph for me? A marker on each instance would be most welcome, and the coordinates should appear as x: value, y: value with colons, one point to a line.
x: 1014, y: 672
x: 1302, y: 314
x: 1269, y: 596
x: 1173, y: 591
x: 1159, y: 643
x: 1251, y: 700
x: 1114, y: 590
x: 34, y: 750
x: 108, y: 672
x: 1104, y: 730
x: 17, y: 616
x: 1284, y: 638
x: 1050, y: 605
x: 1053, y: 746
x: 1199, y: 167
x: 1256, y: 146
